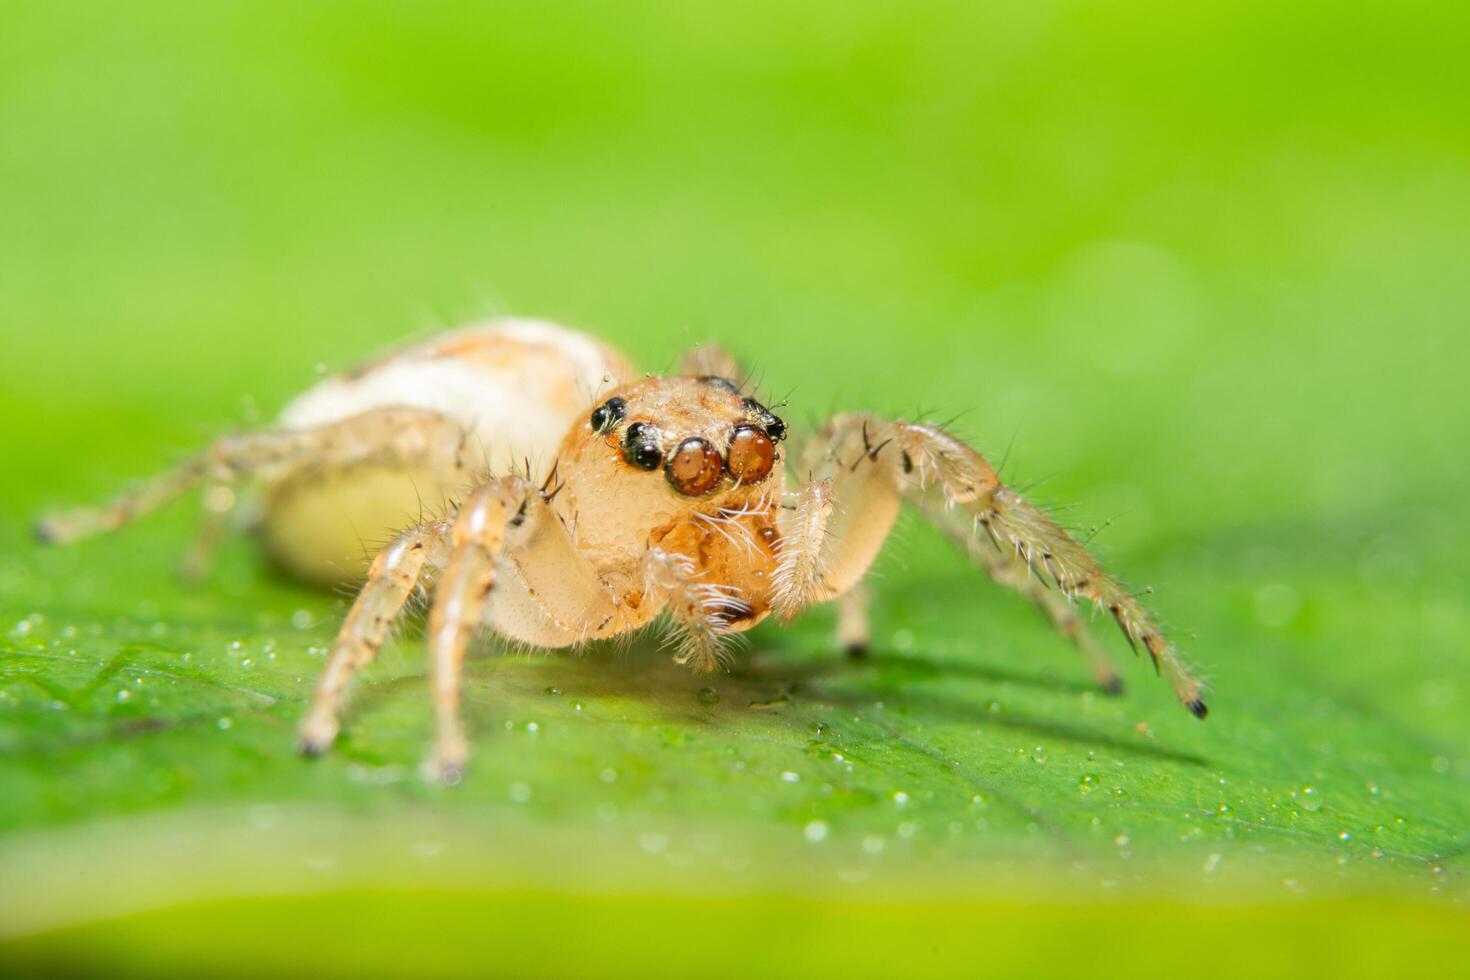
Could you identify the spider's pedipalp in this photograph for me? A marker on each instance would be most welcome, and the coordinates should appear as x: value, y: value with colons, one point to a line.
x: 804, y: 543
x: 701, y: 612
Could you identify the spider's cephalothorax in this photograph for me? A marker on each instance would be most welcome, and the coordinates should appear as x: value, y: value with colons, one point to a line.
x: 583, y: 509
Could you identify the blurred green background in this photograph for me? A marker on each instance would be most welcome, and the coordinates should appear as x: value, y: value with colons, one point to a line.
x: 1199, y: 268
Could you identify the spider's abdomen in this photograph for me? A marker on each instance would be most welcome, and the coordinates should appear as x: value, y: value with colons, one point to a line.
x: 508, y: 390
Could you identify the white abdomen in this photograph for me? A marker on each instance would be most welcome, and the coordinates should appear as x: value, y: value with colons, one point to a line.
x: 515, y: 387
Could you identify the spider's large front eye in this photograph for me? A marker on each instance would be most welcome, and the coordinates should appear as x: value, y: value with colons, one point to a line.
x: 609, y: 414
x: 752, y: 454
x: 640, y: 446
x: 695, y: 467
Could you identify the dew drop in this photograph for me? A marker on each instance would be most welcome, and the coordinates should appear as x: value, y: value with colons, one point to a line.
x: 815, y: 831
x: 1087, y: 783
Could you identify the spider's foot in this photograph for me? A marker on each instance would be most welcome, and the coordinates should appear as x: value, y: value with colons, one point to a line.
x: 194, y: 568
x: 446, y: 765
x: 1111, y: 685
x: 51, y: 529
x: 317, y: 734
x: 857, y: 651
x: 1198, y: 709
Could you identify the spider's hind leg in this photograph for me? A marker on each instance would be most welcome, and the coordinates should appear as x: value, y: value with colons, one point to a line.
x: 395, y: 434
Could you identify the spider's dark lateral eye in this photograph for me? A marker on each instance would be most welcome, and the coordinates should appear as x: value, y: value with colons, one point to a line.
x: 608, y: 414
x: 640, y: 446
x: 775, y: 426
x: 724, y: 384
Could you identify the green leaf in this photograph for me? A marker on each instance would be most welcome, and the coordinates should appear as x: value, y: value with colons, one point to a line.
x: 1203, y: 274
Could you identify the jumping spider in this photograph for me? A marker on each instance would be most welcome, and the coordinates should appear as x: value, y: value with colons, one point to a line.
x: 664, y: 495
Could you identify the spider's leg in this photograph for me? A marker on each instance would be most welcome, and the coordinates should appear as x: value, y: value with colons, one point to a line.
x: 874, y: 465
x: 853, y: 633
x: 476, y: 545
x: 1060, y: 611
x: 389, y: 434
x: 219, y: 501
x: 76, y: 523
x: 391, y: 580
x: 702, y: 611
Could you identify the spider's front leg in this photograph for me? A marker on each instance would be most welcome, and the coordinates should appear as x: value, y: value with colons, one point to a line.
x: 867, y: 467
x: 545, y: 595
x: 391, y: 580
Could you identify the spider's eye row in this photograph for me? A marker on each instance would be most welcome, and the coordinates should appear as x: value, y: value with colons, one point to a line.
x: 640, y: 446
x: 608, y: 414
x: 774, y: 425
x: 695, y: 468
x: 752, y: 454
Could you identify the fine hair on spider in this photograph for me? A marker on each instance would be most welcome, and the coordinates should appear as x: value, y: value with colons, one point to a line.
x: 584, y: 502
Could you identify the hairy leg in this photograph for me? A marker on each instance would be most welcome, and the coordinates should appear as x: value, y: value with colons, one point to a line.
x: 874, y: 464
x: 477, y: 541
x: 549, y: 597
x: 405, y: 435
x: 1060, y: 611
x: 391, y: 580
